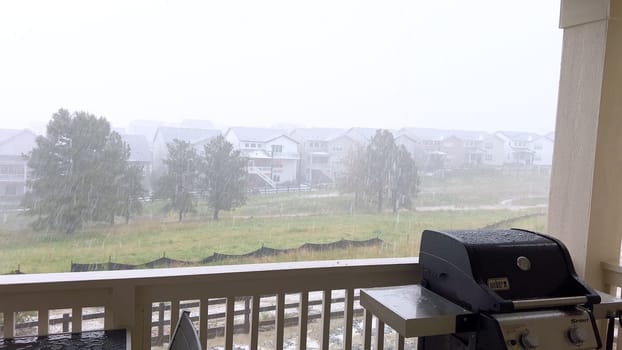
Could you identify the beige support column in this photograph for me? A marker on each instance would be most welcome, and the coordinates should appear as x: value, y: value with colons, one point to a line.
x: 585, y: 209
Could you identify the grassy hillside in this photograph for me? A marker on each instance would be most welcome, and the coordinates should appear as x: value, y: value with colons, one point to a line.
x: 285, y: 220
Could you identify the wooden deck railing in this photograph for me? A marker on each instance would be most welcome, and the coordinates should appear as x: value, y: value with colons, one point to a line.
x: 128, y: 298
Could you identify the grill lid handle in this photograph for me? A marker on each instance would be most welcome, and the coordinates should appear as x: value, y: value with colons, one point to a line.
x: 548, y: 302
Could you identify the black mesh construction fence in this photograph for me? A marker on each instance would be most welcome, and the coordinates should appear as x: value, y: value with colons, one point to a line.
x: 216, y: 257
x: 503, y: 224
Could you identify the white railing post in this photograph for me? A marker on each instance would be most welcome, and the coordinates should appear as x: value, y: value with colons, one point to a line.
x: 254, y: 329
x: 326, y: 303
x: 380, y: 335
x: 76, y: 319
x: 9, y: 324
x: 280, y: 320
x: 229, y: 318
x: 43, y: 320
x: 367, y: 331
x: 203, y: 319
x: 348, y: 316
x: 303, y: 320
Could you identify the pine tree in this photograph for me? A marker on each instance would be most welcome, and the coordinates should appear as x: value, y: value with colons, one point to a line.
x: 381, y: 173
x: 73, y: 169
x: 381, y: 153
x: 224, y: 176
x: 404, y: 180
x: 178, y: 185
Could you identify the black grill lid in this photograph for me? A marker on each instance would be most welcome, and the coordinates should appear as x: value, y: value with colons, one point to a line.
x: 488, y: 270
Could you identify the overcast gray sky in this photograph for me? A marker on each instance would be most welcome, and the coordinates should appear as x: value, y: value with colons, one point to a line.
x: 481, y: 64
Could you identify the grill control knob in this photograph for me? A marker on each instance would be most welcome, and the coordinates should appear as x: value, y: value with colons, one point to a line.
x: 529, y: 340
x: 577, y: 335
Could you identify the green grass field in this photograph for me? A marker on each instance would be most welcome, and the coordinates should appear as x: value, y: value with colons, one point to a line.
x: 285, y: 220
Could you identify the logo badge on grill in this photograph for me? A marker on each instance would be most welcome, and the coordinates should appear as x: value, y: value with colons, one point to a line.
x: 501, y: 283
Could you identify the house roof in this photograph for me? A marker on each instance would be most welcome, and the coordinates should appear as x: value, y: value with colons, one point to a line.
x: 441, y: 134
x: 139, y: 148
x: 362, y: 135
x: 519, y: 135
x: 192, y: 135
x: 17, y: 149
x: 399, y: 135
x: 256, y: 134
x: 283, y: 136
x: 316, y: 134
x: 6, y: 134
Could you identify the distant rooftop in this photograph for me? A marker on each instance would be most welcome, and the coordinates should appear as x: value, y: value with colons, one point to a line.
x: 8, y: 133
x: 256, y: 134
x: 11, y: 147
x: 441, y: 134
x: 139, y: 148
x: 519, y: 136
x: 362, y: 135
x: 192, y: 135
x: 316, y: 134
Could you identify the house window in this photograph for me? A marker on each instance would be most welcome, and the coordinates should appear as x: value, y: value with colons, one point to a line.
x: 253, y: 145
x: 277, y: 148
x: 11, y: 169
x: 489, y: 157
x: 488, y: 145
x: 10, y: 190
x: 337, y: 148
x: 538, y: 146
x: 320, y: 160
x: 246, y: 145
x: 276, y: 178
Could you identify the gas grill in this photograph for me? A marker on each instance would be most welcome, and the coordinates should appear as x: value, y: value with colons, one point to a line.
x: 521, y: 287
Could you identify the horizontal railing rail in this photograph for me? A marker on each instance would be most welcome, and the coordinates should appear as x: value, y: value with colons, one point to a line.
x: 128, y: 298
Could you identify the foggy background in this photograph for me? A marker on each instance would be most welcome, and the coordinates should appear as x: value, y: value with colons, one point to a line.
x: 482, y: 65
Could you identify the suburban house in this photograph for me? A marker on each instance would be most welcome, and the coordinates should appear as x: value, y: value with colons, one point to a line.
x: 412, y: 145
x: 454, y: 150
x: 480, y: 148
x: 14, y: 145
x: 273, y: 156
x: 493, y: 150
x: 140, y: 154
x: 166, y: 134
x: 317, y: 159
x: 439, y: 148
x: 518, y: 147
x: 147, y: 128
x: 427, y: 149
x: 543, y: 150
x: 340, y: 149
